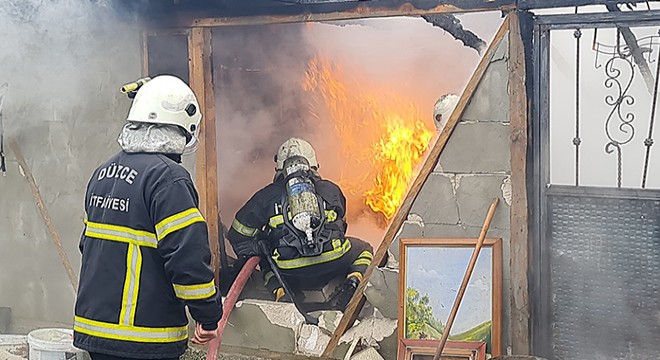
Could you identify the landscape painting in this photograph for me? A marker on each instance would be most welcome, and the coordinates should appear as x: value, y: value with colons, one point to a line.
x: 431, y: 274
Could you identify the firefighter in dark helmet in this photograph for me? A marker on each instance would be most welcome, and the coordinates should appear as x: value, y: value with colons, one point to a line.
x: 145, y: 252
x: 302, y: 218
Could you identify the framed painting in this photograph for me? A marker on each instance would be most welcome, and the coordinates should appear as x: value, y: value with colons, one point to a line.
x: 411, y: 349
x: 431, y: 272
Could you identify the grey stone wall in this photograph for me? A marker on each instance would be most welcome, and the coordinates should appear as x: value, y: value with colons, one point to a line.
x: 64, y: 65
x: 473, y: 168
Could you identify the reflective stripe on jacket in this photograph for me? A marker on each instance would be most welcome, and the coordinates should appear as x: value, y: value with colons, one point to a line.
x: 145, y: 256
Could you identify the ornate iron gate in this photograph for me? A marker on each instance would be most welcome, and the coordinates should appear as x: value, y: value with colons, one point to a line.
x: 595, y: 275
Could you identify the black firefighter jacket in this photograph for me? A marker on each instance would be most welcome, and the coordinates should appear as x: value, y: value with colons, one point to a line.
x: 145, y: 256
x: 263, y: 212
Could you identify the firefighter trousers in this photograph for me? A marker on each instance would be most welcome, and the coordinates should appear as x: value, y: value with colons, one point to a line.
x: 353, y: 262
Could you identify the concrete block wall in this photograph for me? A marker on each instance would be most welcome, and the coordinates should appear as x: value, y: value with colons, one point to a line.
x: 473, y: 168
x: 65, y: 111
x: 278, y: 329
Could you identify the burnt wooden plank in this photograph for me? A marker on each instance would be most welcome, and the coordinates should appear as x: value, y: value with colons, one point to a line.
x: 48, y: 221
x: 246, y: 15
x: 519, y: 110
x: 196, y: 75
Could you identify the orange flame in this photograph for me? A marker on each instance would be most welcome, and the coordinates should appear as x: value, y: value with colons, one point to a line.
x: 382, y: 135
x: 397, y: 153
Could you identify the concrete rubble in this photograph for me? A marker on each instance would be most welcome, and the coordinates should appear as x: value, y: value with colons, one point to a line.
x: 13, y: 347
x: 195, y: 353
x: 367, y: 354
x: 377, y: 332
x: 259, y: 324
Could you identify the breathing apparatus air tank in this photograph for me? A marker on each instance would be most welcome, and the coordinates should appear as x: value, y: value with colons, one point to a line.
x: 303, y: 202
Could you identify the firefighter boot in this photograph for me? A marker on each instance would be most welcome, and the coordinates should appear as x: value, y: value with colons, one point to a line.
x: 346, y: 291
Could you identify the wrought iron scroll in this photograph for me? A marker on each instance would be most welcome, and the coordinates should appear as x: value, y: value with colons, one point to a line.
x: 620, y: 64
x: 576, y: 140
x: 616, y: 79
x: 648, y: 142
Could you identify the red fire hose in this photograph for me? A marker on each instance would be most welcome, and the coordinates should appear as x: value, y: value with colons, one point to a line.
x: 230, y: 302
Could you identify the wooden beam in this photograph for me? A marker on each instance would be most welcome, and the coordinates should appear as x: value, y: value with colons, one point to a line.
x: 206, y: 164
x: 196, y: 76
x: 415, y: 188
x: 518, y: 109
x: 342, y: 11
x: 50, y: 227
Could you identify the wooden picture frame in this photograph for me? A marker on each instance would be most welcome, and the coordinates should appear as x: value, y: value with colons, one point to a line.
x: 454, y: 350
x: 491, y: 245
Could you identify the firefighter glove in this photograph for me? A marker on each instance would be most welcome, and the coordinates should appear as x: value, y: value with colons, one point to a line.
x: 346, y: 292
x: 247, y: 248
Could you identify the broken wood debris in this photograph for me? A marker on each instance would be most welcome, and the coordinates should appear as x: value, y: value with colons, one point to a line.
x: 453, y: 26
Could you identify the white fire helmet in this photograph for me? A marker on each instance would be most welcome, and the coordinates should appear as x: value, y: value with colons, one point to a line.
x: 443, y: 109
x: 295, y: 147
x: 168, y: 100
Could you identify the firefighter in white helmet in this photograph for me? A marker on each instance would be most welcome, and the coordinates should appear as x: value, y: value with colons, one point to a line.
x: 302, y: 219
x: 145, y: 252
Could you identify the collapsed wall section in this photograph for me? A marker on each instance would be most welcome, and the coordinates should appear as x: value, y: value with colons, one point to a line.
x: 473, y: 168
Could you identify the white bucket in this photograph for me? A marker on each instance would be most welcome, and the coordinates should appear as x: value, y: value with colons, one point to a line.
x: 54, y: 344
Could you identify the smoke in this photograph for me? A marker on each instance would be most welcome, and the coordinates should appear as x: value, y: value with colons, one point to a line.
x: 259, y: 73
x: 260, y: 104
x: 56, y: 55
x: 64, y: 62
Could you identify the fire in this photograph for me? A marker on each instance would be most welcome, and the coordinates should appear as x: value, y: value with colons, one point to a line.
x: 396, y: 154
x: 381, y: 135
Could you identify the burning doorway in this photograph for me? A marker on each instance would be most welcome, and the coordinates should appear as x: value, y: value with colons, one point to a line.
x: 362, y: 92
